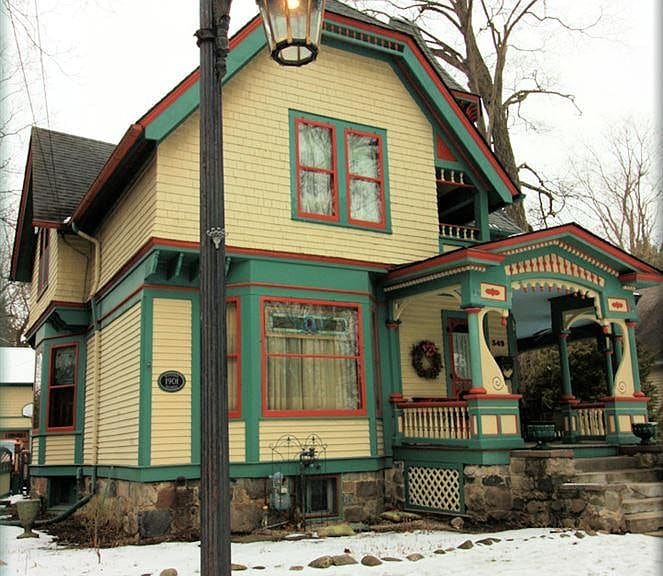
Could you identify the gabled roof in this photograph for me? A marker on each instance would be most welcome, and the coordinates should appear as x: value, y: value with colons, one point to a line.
x: 59, y: 171
x: 98, y: 171
x: 63, y: 167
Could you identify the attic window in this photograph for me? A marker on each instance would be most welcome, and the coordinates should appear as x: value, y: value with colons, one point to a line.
x: 44, y: 259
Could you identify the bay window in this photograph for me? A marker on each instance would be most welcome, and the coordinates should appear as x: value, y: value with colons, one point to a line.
x: 312, y: 358
x: 339, y: 172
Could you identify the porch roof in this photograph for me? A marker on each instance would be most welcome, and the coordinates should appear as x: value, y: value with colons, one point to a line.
x: 571, y: 237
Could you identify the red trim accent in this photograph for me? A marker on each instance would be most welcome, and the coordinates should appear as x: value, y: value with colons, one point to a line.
x: 50, y: 387
x: 349, y: 177
x: 442, y: 150
x: 639, y: 394
x: 444, y: 91
x: 430, y: 403
x: 361, y: 411
x: 485, y: 396
x: 48, y: 224
x: 625, y: 399
x: 332, y: 172
x: 130, y: 138
x: 393, y: 324
x: 472, y: 310
x: 237, y: 412
x: 643, y: 276
x: 479, y: 392
x: 396, y: 397
x: 631, y: 323
x: 447, y: 258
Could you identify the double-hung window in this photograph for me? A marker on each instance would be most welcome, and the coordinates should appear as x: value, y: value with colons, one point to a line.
x: 339, y: 172
x: 312, y: 358
x: 62, y: 388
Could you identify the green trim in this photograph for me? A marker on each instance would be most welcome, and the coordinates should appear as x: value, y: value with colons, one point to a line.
x: 339, y: 147
x: 432, y: 455
x: 251, y: 386
x: 15, y: 385
x: 145, y: 382
x: 188, y: 102
x: 192, y: 471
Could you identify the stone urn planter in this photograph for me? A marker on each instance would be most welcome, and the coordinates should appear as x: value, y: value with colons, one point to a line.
x: 27, y: 513
x: 645, y: 431
x: 542, y: 434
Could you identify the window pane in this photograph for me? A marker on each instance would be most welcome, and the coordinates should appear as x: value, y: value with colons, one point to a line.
x: 312, y: 357
x: 316, y: 193
x: 365, y: 201
x: 315, y: 146
x: 364, y: 154
x: 232, y: 382
x: 461, y: 354
x: 63, y: 366
x: 231, y: 327
x: 61, y: 407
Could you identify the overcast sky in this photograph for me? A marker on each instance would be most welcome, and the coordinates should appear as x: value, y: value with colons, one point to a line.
x: 106, y: 62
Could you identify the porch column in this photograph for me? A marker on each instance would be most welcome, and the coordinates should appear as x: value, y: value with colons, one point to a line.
x: 475, y: 335
x: 630, y: 333
x: 607, y: 352
x: 567, y: 393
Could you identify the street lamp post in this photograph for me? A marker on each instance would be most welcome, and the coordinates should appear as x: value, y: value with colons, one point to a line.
x: 293, y: 32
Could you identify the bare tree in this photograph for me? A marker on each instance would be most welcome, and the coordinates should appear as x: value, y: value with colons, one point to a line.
x: 619, y: 189
x: 479, y: 39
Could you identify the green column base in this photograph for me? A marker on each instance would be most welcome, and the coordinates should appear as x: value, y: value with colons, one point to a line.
x: 495, y: 421
x: 620, y: 413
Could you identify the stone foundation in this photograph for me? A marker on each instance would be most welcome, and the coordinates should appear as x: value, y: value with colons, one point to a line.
x: 171, y: 510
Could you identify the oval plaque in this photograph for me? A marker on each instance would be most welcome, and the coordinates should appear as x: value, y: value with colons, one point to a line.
x: 171, y: 381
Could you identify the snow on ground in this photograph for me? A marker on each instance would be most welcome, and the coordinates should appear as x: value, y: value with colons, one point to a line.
x: 535, y: 551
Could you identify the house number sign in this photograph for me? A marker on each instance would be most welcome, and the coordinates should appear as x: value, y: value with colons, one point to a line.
x: 171, y: 381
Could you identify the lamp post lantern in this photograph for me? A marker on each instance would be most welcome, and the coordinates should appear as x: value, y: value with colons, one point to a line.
x: 293, y: 30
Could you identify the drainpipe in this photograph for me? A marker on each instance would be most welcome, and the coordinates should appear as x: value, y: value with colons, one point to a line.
x: 97, y: 349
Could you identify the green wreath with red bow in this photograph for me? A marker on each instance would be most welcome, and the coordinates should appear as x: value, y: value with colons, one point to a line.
x: 426, y: 359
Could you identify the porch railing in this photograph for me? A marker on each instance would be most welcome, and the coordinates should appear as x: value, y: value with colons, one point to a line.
x: 455, y: 232
x: 590, y: 419
x: 437, y: 420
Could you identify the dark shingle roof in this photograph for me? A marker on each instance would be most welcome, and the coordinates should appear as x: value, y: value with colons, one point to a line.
x: 63, y: 168
x: 500, y: 222
x: 400, y: 25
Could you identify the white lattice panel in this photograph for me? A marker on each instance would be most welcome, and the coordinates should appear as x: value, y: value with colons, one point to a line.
x: 434, y: 488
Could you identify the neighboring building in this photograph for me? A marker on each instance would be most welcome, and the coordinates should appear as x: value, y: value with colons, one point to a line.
x: 376, y: 294
x: 17, y: 373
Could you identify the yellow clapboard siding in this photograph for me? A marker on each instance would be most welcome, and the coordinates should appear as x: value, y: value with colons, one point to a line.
x: 12, y: 400
x: 257, y: 162
x: 171, y: 411
x: 347, y: 438
x: 119, y: 393
x: 36, y: 441
x: 497, y: 337
x: 59, y: 449
x: 130, y: 224
x: 421, y: 320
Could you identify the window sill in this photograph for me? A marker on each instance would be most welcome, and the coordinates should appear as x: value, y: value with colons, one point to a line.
x: 379, y: 228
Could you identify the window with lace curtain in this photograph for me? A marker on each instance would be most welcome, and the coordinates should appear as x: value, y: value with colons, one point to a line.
x: 312, y: 358
x: 339, y: 172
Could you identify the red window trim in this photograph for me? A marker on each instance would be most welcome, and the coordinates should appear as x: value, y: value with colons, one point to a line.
x: 334, y: 216
x: 71, y: 428
x: 44, y: 260
x: 237, y: 412
x: 361, y: 411
x: 349, y: 177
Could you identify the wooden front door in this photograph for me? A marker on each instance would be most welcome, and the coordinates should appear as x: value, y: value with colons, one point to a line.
x: 458, y: 343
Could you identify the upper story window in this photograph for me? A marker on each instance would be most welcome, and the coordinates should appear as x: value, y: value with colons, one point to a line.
x: 44, y: 259
x: 62, y: 388
x: 312, y: 358
x: 339, y: 172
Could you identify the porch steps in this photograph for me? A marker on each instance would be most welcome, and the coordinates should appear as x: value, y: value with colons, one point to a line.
x: 643, y: 497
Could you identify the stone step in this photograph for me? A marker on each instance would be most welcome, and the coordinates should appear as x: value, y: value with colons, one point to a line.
x: 644, y: 521
x: 621, y: 476
x: 637, y: 505
x: 636, y: 490
x: 604, y: 463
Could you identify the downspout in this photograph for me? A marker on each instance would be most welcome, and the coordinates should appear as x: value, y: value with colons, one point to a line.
x: 97, y: 350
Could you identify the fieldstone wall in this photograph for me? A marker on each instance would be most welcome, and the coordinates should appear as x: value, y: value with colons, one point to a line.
x: 488, y: 494
x: 394, y: 487
x: 363, y: 495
